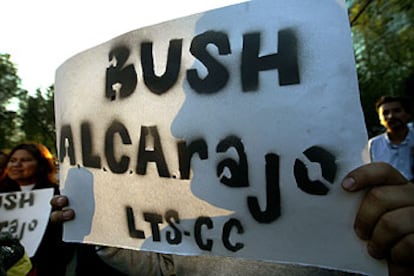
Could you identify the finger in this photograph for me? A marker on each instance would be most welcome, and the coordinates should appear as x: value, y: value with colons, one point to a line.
x: 377, y: 202
x: 373, y: 174
x: 398, y: 270
x: 403, y: 252
x: 62, y: 216
x: 58, y: 202
x: 391, y: 228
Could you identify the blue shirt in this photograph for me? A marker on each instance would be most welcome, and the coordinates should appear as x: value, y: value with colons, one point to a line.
x: 399, y: 156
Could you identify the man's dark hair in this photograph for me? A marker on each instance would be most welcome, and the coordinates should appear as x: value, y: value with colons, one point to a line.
x: 390, y: 99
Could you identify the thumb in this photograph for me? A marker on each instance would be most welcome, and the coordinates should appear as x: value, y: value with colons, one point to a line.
x: 372, y: 174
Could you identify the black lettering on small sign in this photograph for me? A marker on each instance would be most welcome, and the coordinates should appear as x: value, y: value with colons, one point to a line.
x: 3, y: 225
x: 17, y: 228
x: 32, y: 225
x: 12, y: 201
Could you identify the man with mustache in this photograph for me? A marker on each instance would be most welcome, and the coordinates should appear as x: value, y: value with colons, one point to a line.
x: 396, y: 145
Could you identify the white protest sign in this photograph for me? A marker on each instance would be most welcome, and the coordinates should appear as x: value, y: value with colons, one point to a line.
x: 226, y: 132
x: 25, y: 215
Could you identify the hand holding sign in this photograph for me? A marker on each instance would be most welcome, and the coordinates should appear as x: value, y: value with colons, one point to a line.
x: 25, y: 215
x: 384, y: 218
x: 30, y: 173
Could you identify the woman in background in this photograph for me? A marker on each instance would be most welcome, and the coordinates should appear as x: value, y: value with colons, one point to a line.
x: 31, y: 166
x: 3, y: 161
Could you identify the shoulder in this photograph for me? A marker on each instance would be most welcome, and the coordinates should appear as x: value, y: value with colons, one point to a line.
x: 47, y: 185
x: 377, y: 139
x: 411, y: 131
x: 411, y: 137
x: 9, y: 186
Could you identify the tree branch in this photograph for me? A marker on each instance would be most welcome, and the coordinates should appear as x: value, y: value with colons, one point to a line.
x: 353, y: 20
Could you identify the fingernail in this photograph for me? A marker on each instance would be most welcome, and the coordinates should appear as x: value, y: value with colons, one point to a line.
x: 348, y: 183
x: 67, y: 214
x: 60, y: 200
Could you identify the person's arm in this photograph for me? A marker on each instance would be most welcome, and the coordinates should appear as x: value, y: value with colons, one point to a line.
x: 385, y: 218
x: 371, y: 157
x: 132, y: 262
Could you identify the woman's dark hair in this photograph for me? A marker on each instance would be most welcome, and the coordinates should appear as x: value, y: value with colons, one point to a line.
x: 3, y: 162
x: 46, y: 169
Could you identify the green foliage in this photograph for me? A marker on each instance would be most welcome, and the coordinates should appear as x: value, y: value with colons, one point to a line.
x: 38, y: 118
x: 9, y: 81
x: 9, y: 90
x: 32, y: 119
x: 383, y: 34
